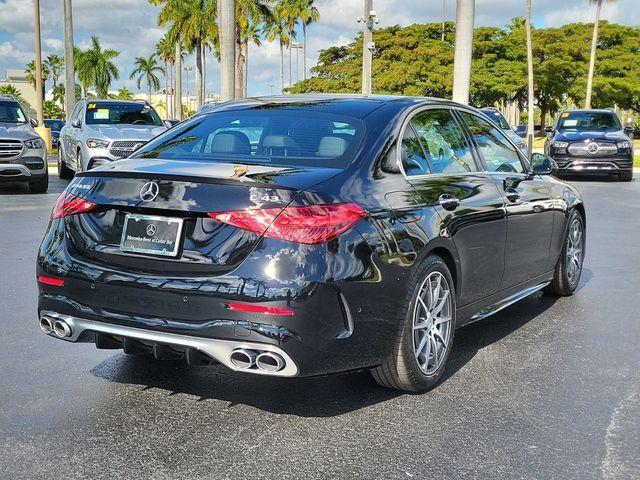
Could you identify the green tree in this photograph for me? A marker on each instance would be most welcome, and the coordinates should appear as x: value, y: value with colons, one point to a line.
x: 51, y: 109
x: 165, y: 51
x: 124, y: 94
x: 592, y: 55
x: 249, y: 15
x: 12, y: 92
x: 55, y: 64
x: 31, y: 75
x: 95, y: 67
x: 58, y: 92
x: 308, y: 14
x: 147, y: 69
x: 276, y: 29
x: 250, y: 34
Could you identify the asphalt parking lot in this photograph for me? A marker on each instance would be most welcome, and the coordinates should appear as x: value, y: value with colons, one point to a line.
x: 548, y: 388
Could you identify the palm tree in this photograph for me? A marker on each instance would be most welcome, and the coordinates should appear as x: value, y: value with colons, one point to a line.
x: 192, y: 23
x: 95, y: 67
x: 288, y: 11
x: 594, y: 46
x: 147, y: 69
x: 11, y: 91
x: 31, y: 75
x: 59, y: 93
x: 55, y: 64
x: 464, y: 50
x: 69, y: 71
x: 277, y: 29
x: 251, y: 33
x: 308, y: 14
x: 530, y: 117
x: 166, y: 52
x: 124, y: 94
x: 249, y: 15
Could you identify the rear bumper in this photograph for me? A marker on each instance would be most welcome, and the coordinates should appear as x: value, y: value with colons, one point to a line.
x: 85, y: 330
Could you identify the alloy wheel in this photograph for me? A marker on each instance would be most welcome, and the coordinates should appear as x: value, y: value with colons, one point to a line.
x: 432, y: 323
x: 575, y: 249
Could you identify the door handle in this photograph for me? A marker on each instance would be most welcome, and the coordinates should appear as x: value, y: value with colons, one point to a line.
x: 448, y: 202
x: 512, y: 195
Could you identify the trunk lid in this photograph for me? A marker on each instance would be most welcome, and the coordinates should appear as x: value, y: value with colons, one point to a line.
x: 187, y: 191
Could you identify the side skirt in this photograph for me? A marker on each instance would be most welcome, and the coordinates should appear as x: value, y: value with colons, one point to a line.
x: 480, y: 310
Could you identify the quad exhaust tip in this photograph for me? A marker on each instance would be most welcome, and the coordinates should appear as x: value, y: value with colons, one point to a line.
x: 45, y: 325
x: 60, y: 328
x: 270, y: 362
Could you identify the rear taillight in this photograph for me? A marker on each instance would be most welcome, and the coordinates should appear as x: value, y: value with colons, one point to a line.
x: 309, y: 224
x: 69, y: 204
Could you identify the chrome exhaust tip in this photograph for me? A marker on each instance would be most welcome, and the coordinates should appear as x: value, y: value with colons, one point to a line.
x: 45, y: 325
x: 270, y: 362
x: 61, y: 329
x: 242, y: 359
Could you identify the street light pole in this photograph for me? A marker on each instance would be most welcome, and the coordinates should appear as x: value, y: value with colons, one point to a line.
x: 227, y: 33
x: 368, y: 19
x: 465, y: 13
x: 39, y: 86
x: 69, y: 71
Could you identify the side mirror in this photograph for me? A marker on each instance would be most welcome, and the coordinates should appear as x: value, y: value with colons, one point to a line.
x: 548, y: 129
x: 628, y: 130
x: 543, y: 164
x: 33, y: 122
x: 77, y: 123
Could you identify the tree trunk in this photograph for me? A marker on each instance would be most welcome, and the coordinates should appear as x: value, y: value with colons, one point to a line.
x: 530, y: 111
x: 465, y: 13
x: 239, y: 69
x: 204, y: 73
x: 177, y: 99
x: 227, y: 32
x: 198, y: 74
x: 367, y: 54
x: 149, y: 91
x: 304, y: 50
x: 166, y: 90
x: 246, y: 69
x: 290, y: 55
x: 592, y: 58
x: 69, y: 73
x: 281, y: 67
x: 38, y: 62
x: 543, y: 117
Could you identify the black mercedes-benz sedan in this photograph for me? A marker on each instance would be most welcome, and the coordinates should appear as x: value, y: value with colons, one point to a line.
x: 591, y: 141
x: 306, y: 235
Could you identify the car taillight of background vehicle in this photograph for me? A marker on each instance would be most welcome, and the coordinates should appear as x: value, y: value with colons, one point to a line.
x: 70, y: 204
x: 305, y: 224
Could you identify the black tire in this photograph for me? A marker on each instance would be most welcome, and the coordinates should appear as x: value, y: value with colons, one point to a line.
x: 626, y: 176
x: 563, y: 284
x: 41, y: 185
x: 64, y: 172
x: 400, y: 370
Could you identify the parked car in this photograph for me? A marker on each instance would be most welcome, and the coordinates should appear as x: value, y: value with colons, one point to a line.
x: 521, y: 131
x: 101, y: 131
x: 497, y: 117
x: 334, y: 243
x: 591, y: 141
x: 55, y: 125
x: 23, y: 155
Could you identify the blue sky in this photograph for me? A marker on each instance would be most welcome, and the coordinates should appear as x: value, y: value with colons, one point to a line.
x: 130, y: 26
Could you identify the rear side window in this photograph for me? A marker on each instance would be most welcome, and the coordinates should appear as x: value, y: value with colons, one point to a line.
x: 414, y: 160
x: 444, y: 142
x: 280, y: 136
x: 498, y: 153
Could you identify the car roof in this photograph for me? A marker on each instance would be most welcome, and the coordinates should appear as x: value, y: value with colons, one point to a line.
x: 591, y: 110
x: 348, y: 104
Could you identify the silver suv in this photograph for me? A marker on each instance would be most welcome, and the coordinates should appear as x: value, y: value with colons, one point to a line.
x: 23, y: 156
x: 101, y: 131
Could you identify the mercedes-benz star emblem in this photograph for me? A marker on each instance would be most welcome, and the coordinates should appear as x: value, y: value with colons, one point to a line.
x: 593, y: 148
x: 149, y: 191
x: 151, y: 230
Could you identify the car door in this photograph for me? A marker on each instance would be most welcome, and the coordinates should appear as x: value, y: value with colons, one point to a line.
x: 528, y: 202
x: 73, y: 137
x: 465, y: 197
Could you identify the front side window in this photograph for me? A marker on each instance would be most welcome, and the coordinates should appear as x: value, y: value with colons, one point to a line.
x: 499, y: 155
x: 11, y: 112
x: 112, y: 113
x: 444, y: 142
x: 414, y: 161
x: 271, y: 135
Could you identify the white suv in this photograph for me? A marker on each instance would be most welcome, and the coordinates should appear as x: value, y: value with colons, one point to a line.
x: 101, y: 131
x: 23, y: 156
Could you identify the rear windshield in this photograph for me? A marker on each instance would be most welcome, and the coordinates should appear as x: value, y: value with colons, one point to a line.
x: 274, y: 136
x: 110, y: 113
x: 497, y: 118
x: 10, y: 112
x: 588, y: 121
